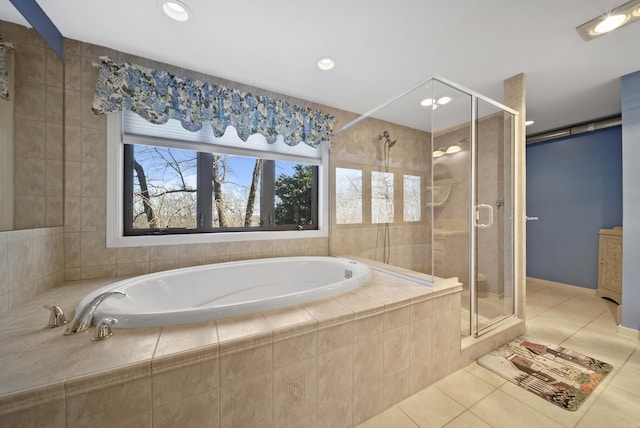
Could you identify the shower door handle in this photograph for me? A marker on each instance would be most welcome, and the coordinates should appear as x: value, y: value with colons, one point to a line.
x: 489, y: 209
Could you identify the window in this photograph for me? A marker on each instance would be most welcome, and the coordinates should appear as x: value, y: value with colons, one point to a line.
x: 412, y: 198
x: 381, y: 197
x: 348, y: 196
x: 175, y: 182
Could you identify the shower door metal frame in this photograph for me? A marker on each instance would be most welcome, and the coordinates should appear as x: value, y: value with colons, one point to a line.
x: 474, y: 205
x: 473, y: 202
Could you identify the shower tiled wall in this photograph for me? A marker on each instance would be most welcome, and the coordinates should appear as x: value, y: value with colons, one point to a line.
x: 452, y: 246
x: 360, y: 148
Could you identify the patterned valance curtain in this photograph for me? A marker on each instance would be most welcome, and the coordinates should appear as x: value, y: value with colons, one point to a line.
x: 158, y: 96
x: 5, y: 92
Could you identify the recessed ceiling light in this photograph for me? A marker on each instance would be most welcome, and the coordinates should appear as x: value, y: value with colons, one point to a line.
x: 326, y: 63
x: 443, y: 100
x: 610, y: 23
x: 426, y: 102
x: 175, y: 10
x: 529, y: 122
x: 613, y: 19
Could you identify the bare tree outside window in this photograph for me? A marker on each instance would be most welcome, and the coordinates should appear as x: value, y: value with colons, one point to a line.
x: 412, y: 211
x: 381, y: 197
x: 348, y: 196
x: 165, y: 191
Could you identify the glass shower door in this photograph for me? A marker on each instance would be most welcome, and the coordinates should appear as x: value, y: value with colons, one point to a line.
x: 492, y: 211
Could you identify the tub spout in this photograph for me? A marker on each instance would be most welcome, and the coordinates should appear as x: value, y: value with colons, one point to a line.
x: 81, y: 321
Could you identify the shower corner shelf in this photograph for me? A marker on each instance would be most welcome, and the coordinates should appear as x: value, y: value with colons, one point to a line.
x: 440, y: 192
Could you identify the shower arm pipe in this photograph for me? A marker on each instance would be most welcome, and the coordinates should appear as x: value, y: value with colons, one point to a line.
x: 413, y: 88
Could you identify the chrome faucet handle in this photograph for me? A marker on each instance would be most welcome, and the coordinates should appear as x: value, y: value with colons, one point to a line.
x: 56, y: 317
x: 103, y: 329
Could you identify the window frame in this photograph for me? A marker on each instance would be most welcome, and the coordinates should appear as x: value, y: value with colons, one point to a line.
x: 115, y: 216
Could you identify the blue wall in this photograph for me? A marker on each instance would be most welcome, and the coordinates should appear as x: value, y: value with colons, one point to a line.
x: 631, y: 179
x: 574, y: 185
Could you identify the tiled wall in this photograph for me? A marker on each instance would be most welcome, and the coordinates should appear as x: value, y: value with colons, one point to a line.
x: 452, y: 250
x: 360, y: 148
x: 86, y: 254
x: 31, y: 261
x: 38, y: 129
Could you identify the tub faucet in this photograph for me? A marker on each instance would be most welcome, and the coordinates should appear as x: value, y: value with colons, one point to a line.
x: 56, y: 317
x: 81, y: 321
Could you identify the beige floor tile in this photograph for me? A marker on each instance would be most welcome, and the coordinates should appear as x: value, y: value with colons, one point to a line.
x: 634, y: 359
x: 392, y: 417
x: 431, y: 408
x: 464, y: 387
x: 534, y: 287
x: 486, y: 375
x: 502, y: 411
x: 563, y: 417
x: 614, y: 408
x: 467, y: 420
x: 543, y: 301
x: 627, y: 379
x: 546, y: 333
x: 614, y: 356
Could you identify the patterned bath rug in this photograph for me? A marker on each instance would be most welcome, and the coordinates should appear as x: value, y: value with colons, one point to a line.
x: 559, y: 375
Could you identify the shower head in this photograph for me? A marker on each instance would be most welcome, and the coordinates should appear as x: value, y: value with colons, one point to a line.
x: 387, y: 139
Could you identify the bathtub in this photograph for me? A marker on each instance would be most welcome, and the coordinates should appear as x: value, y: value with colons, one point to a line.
x: 209, y: 292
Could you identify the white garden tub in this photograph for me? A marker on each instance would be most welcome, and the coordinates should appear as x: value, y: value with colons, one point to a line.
x: 221, y: 290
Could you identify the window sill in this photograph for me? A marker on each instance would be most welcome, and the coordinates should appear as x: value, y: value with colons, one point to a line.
x: 204, y: 238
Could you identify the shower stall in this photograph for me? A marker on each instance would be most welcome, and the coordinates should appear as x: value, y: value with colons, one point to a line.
x: 423, y: 185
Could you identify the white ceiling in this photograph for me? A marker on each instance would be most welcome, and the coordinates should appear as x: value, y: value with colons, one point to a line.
x: 381, y: 47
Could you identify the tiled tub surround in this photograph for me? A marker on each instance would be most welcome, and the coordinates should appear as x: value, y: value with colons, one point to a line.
x: 334, y: 362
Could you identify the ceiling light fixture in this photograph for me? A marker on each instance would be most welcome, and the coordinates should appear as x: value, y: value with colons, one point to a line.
x: 453, y: 149
x: 426, y: 102
x: 610, y: 23
x: 175, y: 10
x: 325, y: 63
x: 435, y: 103
x: 611, y: 20
x: 440, y: 152
x: 529, y: 122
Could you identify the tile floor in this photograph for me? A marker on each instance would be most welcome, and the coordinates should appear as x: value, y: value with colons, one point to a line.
x: 475, y: 397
